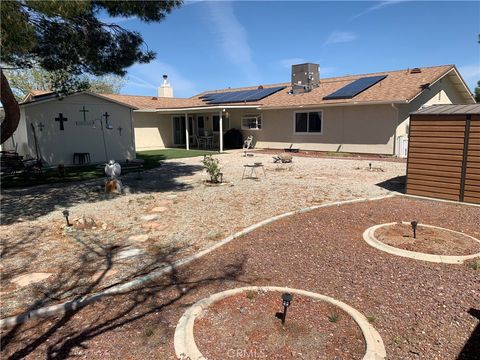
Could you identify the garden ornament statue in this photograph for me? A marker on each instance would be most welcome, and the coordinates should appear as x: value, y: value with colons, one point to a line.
x: 113, y: 170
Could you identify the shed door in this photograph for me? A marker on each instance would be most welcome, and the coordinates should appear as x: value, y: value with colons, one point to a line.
x: 435, y: 156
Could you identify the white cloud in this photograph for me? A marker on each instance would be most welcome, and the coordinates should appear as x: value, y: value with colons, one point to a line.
x: 377, y: 6
x: 341, y: 37
x: 233, y: 37
x: 150, y: 76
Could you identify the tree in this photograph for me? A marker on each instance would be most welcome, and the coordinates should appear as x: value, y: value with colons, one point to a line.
x: 477, y: 92
x: 23, y: 81
x: 68, y: 39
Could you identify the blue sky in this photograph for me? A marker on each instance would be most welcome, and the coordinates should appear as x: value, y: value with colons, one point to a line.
x: 217, y: 44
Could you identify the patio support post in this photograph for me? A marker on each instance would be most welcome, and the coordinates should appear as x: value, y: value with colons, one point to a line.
x: 187, y: 137
x: 220, y: 132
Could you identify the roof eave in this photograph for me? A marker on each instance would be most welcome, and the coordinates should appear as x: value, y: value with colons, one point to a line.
x: 320, y: 105
x: 196, y: 108
x: 457, y: 73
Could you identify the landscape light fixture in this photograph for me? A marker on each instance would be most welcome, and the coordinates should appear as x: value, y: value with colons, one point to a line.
x: 66, y: 213
x: 414, y: 224
x: 370, y: 166
x: 286, y: 300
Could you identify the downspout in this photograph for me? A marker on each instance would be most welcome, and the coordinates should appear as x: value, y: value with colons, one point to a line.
x: 395, y: 108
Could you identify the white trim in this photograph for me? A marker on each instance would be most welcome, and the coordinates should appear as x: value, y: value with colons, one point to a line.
x: 60, y: 98
x: 295, y: 112
x: 251, y: 116
x: 199, y: 108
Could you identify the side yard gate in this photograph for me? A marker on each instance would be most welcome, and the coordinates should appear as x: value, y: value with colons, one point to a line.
x: 444, y: 153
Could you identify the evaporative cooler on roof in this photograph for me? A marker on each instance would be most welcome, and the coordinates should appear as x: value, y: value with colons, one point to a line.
x: 240, y: 96
x: 354, y: 88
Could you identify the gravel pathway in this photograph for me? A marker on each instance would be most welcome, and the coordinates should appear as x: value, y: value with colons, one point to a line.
x: 169, y: 213
x: 422, y: 310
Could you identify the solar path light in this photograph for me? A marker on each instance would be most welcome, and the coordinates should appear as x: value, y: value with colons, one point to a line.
x: 414, y: 228
x: 286, y: 300
x: 66, y: 213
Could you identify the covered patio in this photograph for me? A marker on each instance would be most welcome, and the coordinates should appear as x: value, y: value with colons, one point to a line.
x: 195, y: 127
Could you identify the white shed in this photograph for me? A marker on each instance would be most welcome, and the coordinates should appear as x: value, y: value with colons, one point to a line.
x: 75, y: 129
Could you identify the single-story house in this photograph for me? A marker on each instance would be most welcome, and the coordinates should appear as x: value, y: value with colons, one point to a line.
x: 367, y: 113
x: 78, y: 128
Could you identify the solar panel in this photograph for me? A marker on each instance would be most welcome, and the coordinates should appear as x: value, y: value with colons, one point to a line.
x: 354, y: 88
x: 240, y: 96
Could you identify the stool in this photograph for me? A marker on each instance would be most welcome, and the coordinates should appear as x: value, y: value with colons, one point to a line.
x: 83, y: 158
x: 253, y: 170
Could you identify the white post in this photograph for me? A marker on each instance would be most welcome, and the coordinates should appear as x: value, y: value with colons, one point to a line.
x: 187, y: 138
x: 220, y: 133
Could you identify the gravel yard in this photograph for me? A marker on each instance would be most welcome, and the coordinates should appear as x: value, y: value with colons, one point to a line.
x: 169, y: 213
x: 422, y: 310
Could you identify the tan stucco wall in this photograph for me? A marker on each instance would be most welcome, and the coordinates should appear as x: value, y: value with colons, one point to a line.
x: 366, y: 129
x: 58, y: 146
x: 152, y: 131
x: 442, y: 92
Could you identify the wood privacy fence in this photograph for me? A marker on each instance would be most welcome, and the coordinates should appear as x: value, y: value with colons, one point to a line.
x: 444, y: 157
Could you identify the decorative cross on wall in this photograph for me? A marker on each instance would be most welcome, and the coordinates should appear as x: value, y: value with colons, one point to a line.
x: 107, y: 115
x: 61, y: 119
x: 84, y: 111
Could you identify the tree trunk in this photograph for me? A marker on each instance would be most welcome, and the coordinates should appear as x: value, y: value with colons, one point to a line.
x: 11, y: 108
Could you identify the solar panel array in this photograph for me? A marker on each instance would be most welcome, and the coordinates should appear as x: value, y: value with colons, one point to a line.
x: 240, y: 96
x: 354, y: 88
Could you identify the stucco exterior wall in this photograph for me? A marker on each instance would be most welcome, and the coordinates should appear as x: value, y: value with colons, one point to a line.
x: 57, y: 145
x: 442, y: 92
x: 152, y: 131
x: 365, y: 129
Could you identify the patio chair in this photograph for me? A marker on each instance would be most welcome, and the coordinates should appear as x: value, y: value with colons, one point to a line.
x: 247, y: 144
x: 201, y: 142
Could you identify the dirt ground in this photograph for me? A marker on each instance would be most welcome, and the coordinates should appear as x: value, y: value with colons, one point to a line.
x: 169, y: 213
x: 246, y: 324
x: 422, y: 310
x: 428, y: 240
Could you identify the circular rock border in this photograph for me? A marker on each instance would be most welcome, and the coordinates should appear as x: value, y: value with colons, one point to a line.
x: 369, y: 237
x: 184, y: 341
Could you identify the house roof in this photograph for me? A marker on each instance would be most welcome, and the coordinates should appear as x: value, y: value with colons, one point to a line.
x: 38, y: 96
x: 400, y: 86
x: 472, y: 109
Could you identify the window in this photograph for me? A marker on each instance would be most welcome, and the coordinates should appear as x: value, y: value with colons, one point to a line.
x: 252, y: 122
x: 308, y: 122
x: 216, y: 123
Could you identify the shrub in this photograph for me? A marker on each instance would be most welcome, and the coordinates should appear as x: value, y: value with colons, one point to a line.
x: 212, y: 167
x: 333, y: 317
